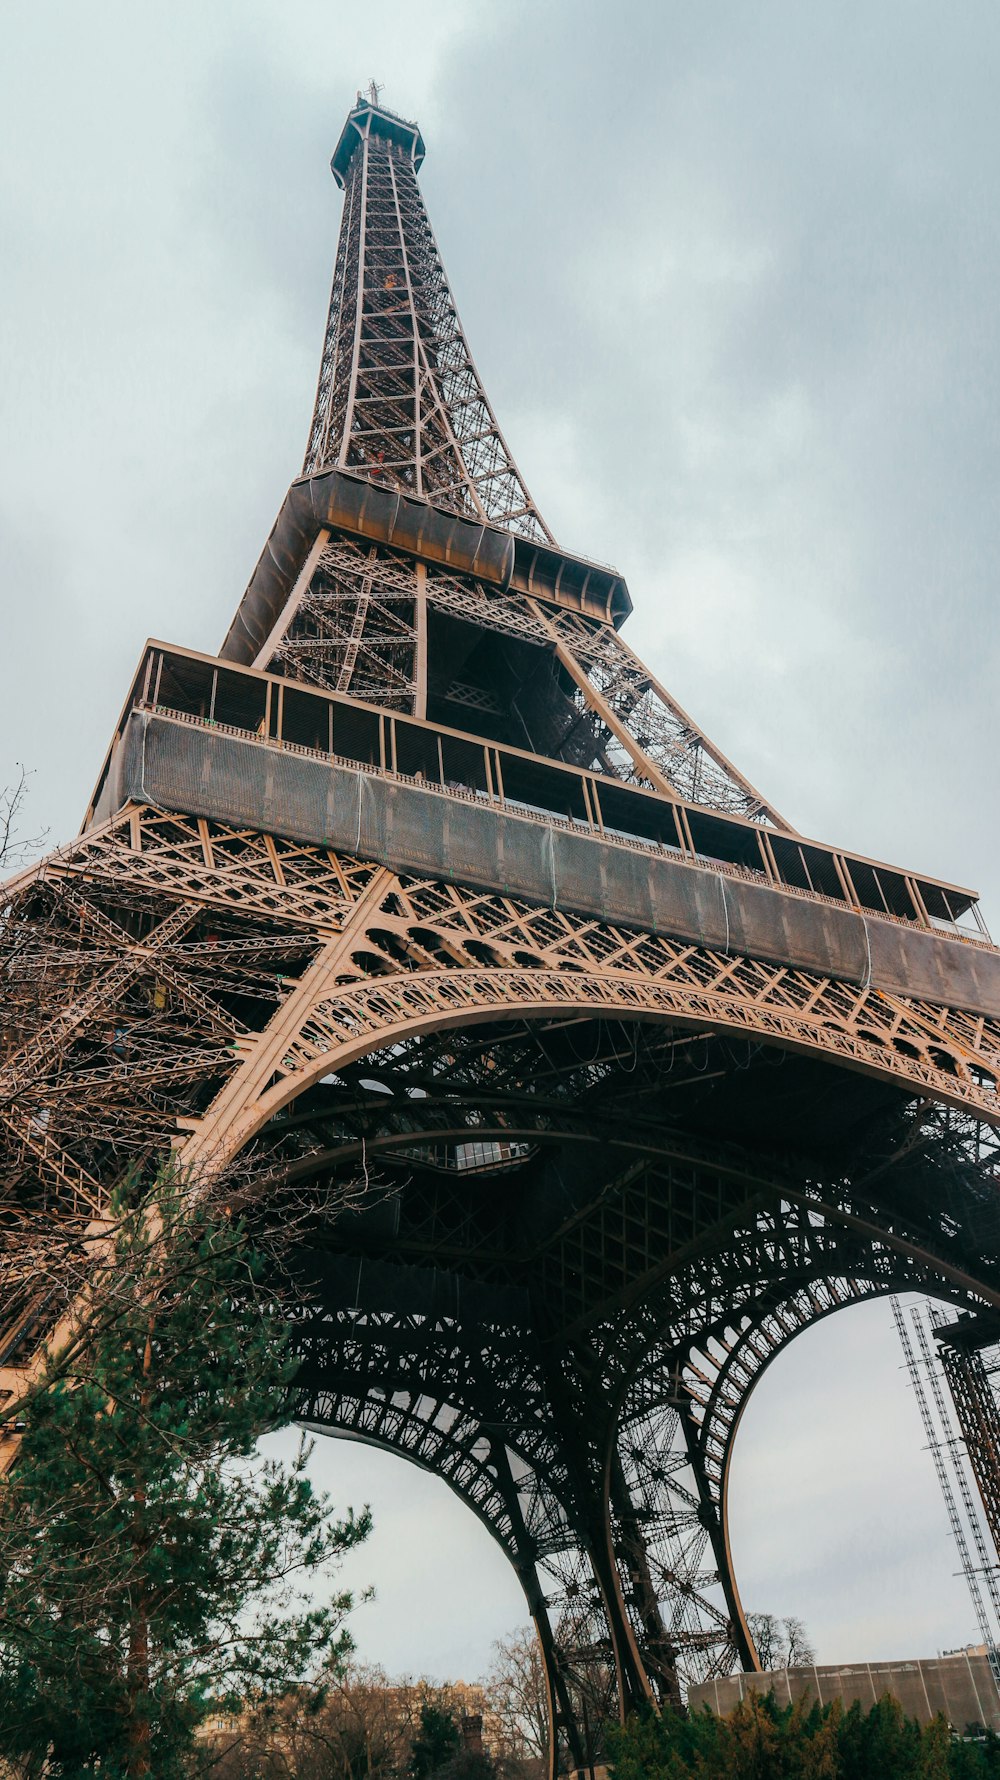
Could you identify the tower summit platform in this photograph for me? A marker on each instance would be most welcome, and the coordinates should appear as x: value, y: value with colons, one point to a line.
x: 367, y: 118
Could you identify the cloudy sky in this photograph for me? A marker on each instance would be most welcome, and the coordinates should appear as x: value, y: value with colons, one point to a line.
x: 730, y: 276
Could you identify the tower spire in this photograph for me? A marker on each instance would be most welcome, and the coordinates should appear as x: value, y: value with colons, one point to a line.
x: 399, y: 394
x: 409, y: 567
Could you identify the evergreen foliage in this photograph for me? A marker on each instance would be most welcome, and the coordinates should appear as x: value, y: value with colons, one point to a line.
x: 150, y: 1563
x: 761, y: 1740
x: 436, y: 1743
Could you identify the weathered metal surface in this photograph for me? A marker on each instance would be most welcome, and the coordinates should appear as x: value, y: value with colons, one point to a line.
x: 337, y: 499
x: 346, y: 501
x: 416, y: 830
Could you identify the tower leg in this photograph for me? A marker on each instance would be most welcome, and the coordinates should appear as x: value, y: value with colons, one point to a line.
x: 713, y: 1519
x: 659, y: 1655
x: 564, y: 1726
x: 978, y: 1418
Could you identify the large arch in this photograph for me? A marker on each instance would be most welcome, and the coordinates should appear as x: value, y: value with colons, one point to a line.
x: 386, y: 1391
x: 706, y: 1388
x: 669, y: 1141
x: 341, y: 1021
x: 797, y: 1290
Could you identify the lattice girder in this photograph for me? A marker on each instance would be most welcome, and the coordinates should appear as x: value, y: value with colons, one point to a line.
x: 359, y: 625
x: 395, y: 958
x: 471, y: 1406
x: 698, y: 1389
x: 294, y: 965
x: 369, y: 919
x: 400, y: 402
x: 399, y: 393
x: 968, y: 1357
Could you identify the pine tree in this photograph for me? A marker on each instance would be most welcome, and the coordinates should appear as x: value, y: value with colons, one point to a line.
x: 437, y: 1743
x: 150, y: 1563
x: 760, y: 1740
x: 762, y: 1747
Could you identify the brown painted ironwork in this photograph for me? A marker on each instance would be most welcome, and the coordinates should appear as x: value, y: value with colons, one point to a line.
x: 426, y: 883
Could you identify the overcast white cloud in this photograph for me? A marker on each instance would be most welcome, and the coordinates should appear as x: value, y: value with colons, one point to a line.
x: 730, y: 274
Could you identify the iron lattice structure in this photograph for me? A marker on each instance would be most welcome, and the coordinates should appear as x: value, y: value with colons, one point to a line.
x: 425, y: 881
x: 969, y: 1349
x: 398, y: 387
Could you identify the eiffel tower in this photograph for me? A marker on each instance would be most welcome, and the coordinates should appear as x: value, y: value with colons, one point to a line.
x: 425, y: 879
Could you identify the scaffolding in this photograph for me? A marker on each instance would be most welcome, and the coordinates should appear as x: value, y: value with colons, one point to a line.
x: 951, y: 1464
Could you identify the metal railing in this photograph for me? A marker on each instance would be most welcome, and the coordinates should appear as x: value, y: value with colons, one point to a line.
x: 574, y: 825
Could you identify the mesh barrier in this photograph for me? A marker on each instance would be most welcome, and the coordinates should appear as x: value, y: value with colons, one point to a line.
x: 960, y: 1687
x: 957, y: 974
